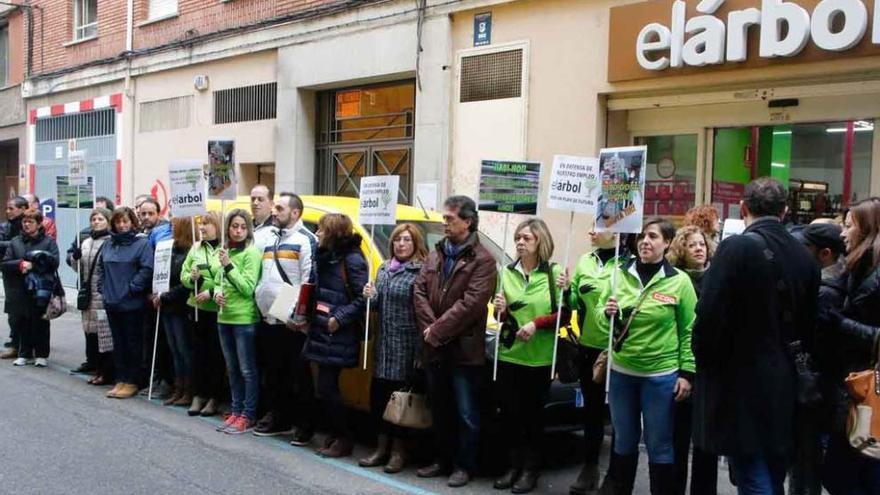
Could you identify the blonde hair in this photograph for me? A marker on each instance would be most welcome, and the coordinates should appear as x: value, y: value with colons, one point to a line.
x: 213, y: 218
x: 420, y: 250
x: 542, y: 234
x: 678, y: 251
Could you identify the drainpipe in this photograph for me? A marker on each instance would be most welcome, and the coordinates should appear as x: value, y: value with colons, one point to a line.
x: 129, y: 26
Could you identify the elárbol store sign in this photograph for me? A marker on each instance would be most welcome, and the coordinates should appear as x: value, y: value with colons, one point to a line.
x: 673, y: 37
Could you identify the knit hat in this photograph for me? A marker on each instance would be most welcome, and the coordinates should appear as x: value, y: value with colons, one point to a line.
x: 823, y: 235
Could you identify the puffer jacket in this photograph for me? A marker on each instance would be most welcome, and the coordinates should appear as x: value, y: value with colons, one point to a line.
x: 22, y: 248
x: 127, y: 272
x: 342, y: 274
x: 456, y: 308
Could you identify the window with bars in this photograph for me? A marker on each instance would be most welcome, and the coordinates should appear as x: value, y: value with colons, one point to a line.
x: 170, y: 113
x: 77, y: 125
x: 85, y: 19
x: 491, y: 76
x: 245, y: 103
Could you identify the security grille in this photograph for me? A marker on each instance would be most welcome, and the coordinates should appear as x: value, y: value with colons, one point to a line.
x: 491, y: 76
x: 78, y: 125
x: 245, y: 103
x: 170, y: 113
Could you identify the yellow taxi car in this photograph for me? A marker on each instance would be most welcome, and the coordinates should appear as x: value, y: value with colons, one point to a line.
x: 355, y: 382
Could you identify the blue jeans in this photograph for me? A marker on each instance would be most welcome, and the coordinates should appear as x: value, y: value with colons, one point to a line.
x: 758, y: 475
x: 239, y: 349
x: 454, y: 405
x: 633, y: 398
x: 177, y: 333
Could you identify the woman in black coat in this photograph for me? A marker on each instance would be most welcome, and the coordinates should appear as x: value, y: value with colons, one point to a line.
x: 29, y: 270
x: 855, y: 347
x: 335, y: 330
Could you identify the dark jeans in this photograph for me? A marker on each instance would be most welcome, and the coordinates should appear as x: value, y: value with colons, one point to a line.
x: 14, y: 324
x: 806, y: 471
x: 704, y: 469
x: 328, y: 389
x: 452, y: 390
x: 177, y: 334
x: 846, y: 472
x: 209, y: 367
x: 288, y: 389
x: 380, y: 394
x: 33, y: 335
x: 594, y: 406
x: 127, y: 327
x: 164, y: 367
x: 521, y: 391
x: 92, y: 348
x: 758, y: 475
x: 104, y: 364
x: 240, y: 352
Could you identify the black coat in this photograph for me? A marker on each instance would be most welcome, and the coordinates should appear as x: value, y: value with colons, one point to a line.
x: 832, y: 355
x: 22, y: 248
x: 744, y: 393
x: 345, y: 302
x: 8, y: 231
x: 174, y: 301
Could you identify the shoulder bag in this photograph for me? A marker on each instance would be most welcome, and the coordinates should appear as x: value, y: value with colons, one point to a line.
x: 84, y: 296
x: 863, y: 424
x: 409, y: 410
x: 600, y: 366
x: 57, y: 303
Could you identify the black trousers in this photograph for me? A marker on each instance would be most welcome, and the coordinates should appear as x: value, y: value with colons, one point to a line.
x: 704, y: 466
x: 15, y: 322
x: 594, y: 409
x: 126, y: 327
x: 209, y: 367
x: 380, y: 394
x: 806, y: 470
x: 33, y: 334
x: 331, y: 396
x: 164, y: 364
x: 104, y: 365
x: 92, y: 349
x: 288, y: 389
x: 520, y: 391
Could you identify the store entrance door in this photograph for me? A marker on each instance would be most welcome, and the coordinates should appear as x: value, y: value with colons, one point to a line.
x: 824, y: 166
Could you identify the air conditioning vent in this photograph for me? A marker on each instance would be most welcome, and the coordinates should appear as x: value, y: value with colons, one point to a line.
x: 245, y: 103
x: 491, y: 76
x: 77, y: 125
x: 162, y: 115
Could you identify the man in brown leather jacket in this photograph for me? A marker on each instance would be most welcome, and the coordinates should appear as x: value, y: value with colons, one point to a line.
x: 450, y: 297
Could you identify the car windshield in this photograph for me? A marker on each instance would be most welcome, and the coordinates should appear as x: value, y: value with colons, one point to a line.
x: 433, y: 233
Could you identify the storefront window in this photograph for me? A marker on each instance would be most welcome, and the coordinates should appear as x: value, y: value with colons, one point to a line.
x: 671, y: 179
x: 824, y: 166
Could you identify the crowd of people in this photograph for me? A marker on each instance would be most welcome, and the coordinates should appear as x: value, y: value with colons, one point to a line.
x: 708, y: 340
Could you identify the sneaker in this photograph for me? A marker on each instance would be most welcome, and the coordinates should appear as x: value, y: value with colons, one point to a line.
x: 230, y: 420
x: 273, y: 429
x: 41, y: 363
x: 242, y: 424
x: 301, y: 437
x: 19, y: 362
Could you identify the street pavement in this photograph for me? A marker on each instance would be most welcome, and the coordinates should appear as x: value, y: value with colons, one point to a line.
x: 62, y: 436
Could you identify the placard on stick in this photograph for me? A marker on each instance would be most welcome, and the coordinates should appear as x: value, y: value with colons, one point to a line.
x: 378, y: 200
x: 574, y: 183
x: 162, y: 266
x: 621, y: 203
x: 222, y: 181
x: 187, y: 183
x: 510, y: 186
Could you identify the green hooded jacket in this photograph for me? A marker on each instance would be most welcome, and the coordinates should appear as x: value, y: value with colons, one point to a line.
x: 587, y: 282
x: 200, y: 255
x: 239, y: 282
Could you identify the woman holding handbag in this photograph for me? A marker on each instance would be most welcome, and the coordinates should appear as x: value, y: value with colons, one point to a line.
x: 398, y: 340
x: 528, y: 309
x: 652, y: 364
x: 99, y: 341
x: 336, y: 327
x: 855, y: 341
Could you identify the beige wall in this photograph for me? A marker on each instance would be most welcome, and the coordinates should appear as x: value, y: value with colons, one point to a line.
x: 254, y: 141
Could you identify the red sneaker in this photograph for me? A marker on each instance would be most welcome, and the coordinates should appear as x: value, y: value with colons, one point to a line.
x: 242, y: 424
x: 230, y: 420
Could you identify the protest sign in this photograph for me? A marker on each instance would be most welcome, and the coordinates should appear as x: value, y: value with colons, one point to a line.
x: 68, y: 195
x: 76, y: 167
x: 574, y: 184
x: 378, y: 200
x: 222, y: 183
x: 162, y: 266
x: 187, y: 183
x: 621, y: 200
x: 510, y: 186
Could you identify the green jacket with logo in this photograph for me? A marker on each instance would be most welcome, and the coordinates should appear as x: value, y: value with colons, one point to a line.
x: 587, y: 282
x: 199, y: 255
x: 239, y: 282
x: 532, y: 299
x: 659, y: 338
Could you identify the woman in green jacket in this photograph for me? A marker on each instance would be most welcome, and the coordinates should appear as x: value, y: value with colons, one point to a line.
x: 528, y: 308
x: 652, y: 364
x: 208, y: 368
x: 237, y: 270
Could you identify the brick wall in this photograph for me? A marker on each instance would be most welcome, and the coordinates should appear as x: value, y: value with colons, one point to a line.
x: 54, y: 50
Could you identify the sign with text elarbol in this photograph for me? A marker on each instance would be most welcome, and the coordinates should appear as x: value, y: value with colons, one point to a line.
x: 162, y: 266
x: 186, y: 179
x: 574, y: 183
x: 621, y: 203
x: 510, y: 186
x: 676, y: 37
x: 378, y: 197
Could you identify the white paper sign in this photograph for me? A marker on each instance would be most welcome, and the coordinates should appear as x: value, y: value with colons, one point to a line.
x: 162, y: 266
x: 732, y: 226
x: 188, y: 188
x: 282, y: 306
x: 379, y: 200
x: 76, y: 168
x: 574, y: 184
x: 621, y: 204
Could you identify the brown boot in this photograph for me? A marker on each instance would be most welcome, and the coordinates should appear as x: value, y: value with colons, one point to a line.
x: 186, y: 397
x: 341, y: 447
x: 175, y: 394
x: 10, y: 353
x: 115, y: 390
x: 397, y: 461
x: 127, y: 391
x: 379, y: 456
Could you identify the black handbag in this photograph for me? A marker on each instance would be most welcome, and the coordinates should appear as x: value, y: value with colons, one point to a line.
x: 84, y: 296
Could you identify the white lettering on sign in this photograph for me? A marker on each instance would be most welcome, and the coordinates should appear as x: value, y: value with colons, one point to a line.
x: 785, y: 29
